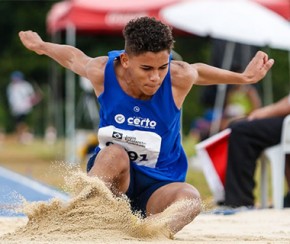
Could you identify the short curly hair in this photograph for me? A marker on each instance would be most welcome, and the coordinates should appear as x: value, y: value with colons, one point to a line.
x: 146, y: 34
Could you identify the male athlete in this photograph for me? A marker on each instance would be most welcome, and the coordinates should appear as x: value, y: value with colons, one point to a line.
x: 141, y: 92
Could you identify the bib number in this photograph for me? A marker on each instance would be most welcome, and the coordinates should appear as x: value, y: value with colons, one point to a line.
x: 142, y: 147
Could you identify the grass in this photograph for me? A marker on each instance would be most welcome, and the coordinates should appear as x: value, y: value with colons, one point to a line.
x: 35, y: 160
x: 38, y: 160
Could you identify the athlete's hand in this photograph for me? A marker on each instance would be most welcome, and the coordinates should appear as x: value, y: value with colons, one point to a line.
x: 258, y: 67
x: 32, y: 41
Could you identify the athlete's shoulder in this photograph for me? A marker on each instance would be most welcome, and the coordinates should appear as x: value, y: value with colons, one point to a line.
x: 99, y: 62
x: 181, y: 71
x: 95, y: 70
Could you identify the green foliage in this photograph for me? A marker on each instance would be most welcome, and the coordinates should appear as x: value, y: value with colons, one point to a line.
x: 17, y: 16
x: 32, y: 15
x: 280, y: 73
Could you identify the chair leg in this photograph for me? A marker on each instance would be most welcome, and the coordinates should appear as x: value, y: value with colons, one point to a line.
x: 278, y: 168
x: 277, y: 163
x: 264, y: 183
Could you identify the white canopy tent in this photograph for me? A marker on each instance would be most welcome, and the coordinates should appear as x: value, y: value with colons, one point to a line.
x: 242, y: 21
x: 236, y: 21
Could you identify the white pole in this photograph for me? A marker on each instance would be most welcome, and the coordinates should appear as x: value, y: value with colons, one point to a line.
x: 221, y: 89
x: 268, y: 86
x: 70, y: 143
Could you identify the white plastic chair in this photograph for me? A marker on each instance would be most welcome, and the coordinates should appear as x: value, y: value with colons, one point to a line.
x: 275, y: 155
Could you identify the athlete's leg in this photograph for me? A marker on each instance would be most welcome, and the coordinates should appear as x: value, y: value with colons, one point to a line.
x: 176, y: 203
x: 113, y: 167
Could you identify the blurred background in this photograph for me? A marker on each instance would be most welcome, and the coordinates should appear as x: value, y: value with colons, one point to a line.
x: 62, y: 121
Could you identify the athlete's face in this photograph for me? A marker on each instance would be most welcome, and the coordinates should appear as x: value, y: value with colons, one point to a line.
x: 147, y: 71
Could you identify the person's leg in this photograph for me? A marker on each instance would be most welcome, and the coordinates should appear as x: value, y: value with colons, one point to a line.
x: 246, y: 142
x: 112, y: 165
x: 21, y: 127
x: 177, y: 204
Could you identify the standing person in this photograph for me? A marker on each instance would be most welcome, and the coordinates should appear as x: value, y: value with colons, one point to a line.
x: 247, y: 141
x: 141, y: 92
x: 21, y: 98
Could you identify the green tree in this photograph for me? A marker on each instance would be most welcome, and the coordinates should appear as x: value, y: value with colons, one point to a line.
x: 24, y: 15
x: 17, y: 16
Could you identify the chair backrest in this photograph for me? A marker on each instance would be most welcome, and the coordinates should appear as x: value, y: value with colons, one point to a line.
x: 285, y: 137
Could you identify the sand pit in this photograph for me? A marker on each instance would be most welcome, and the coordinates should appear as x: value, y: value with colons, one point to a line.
x: 94, y: 215
x: 257, y: 226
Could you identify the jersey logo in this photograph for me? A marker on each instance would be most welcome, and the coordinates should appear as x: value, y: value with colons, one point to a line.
x: 136, y: 121
x: 117, y: 135
x: 136, y: 109
x: 120, y: 118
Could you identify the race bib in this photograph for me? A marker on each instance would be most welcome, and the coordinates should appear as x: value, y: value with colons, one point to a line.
x: 142, y: 147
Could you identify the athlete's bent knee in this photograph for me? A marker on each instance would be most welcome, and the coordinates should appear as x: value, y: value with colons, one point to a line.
x: 193, y: 197
x: 119, y: 156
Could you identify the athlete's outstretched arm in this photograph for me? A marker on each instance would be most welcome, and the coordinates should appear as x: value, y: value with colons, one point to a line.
x: 254, y: 72
x: 67, y: 56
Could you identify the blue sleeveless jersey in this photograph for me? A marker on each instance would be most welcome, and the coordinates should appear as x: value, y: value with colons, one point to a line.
x: 149, y: 130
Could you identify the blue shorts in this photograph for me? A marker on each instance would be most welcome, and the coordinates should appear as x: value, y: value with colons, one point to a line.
x: 140, y: 189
